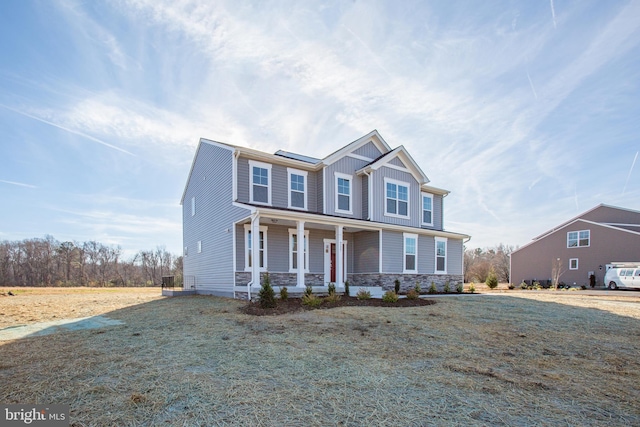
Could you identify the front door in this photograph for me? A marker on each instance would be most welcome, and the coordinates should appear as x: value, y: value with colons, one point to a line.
x: 330, y: 269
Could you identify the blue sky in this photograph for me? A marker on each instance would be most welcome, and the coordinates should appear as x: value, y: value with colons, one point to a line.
x: 528, y: 112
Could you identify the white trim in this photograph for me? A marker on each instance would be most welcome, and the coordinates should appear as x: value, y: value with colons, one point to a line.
x: 422, y: 196
x: 578, y: 239
x: 267, y: 166
x: 372, y: 136
x: 618, y: 224
x: 380, y: 250
x: 346, y: 177
x: 406, y: 236
x: 573, y: 259
x: 324, y: 190
x: 234, y: 171
x: 327, y: 259
x: 247, y: 229
x: 435, y: 267
x: 397, y: 184
x: 293, y: 231
x: 396, y: 167
x: 359, y: 157
x: 304, y: 174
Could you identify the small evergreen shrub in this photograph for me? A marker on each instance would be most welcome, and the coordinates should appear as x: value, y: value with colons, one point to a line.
x: 311, y: 300
x: 284, y: 293
x: 308, y: 290
x: 363, y: 294
x: 446, y: 289
x: 396, y: 284
x: 390, y: 296
x: 346, y: 288
x: 412, y: 294
x: 331, y: 288
x: 332, y: 297
x: 472, y: 288
x: 267, y: 296
x: 417, y: 288
x: 433, y: 289
x: 492, y: 279
x: 460, y: 288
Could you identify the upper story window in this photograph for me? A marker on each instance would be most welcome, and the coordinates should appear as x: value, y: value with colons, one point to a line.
x: 410, y: 253
x: 578, y: 239
x: 260, y: 189
x: 297, y: 189
x: 262, y: 248
x: 441, y: 255
x: 193, y: 206
x: 343, y: 193
x: 397, y: 198
x: 427, y: 209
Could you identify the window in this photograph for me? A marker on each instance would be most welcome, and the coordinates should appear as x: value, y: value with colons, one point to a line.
x: 262, y: 253
x: 260, y: 189
x: 293, y: 251
x: 410, y: 253
x: 578, y: 239
x: 573, y: 264
x: 186, y: 250
x: 441, y: 255
x: 199, y: 246
x: 343, y: 193
x: 297, y: 189
x: 397, y: 198
x: 193, y: 206
x: 427, y: 209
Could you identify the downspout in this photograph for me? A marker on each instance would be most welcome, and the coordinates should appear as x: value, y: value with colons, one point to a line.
x: 370, y: 195
x: 254, y: 217
x: 234, y: 178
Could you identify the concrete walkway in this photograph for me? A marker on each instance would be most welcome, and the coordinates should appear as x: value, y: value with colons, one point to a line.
x: 64, y: 325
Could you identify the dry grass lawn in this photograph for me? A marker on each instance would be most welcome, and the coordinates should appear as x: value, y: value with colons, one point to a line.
x: 522, y: 358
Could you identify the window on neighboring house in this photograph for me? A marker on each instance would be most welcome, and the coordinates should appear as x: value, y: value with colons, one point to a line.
x: 186, y: 250
x: 441, y: 255
x: 193, y: 206
x: 397, y: 198
x: 262, y: 252
x: 427, y: 209
x: 199, y: 246
x: 573, y: 264
x: 578, y: 239
x: 297, y: 189
x: 260, y: 182
x: 410, y: 253
x: 343, y: 193
x: 293, y: 250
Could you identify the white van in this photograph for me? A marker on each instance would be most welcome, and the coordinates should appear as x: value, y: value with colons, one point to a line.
x: 623, y: 277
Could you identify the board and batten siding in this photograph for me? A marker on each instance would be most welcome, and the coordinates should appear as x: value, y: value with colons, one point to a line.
x: 426, y: 254
x: 365, y: 197
x: 392, y: 252
x: 348, y: 166
x: 368, y: 150
x: 379, y: 197
x: 212, y: 225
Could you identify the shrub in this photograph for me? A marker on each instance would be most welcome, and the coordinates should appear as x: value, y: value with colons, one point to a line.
x: 333, y: 297
x: 446, y: 289
x: 472, y: 288
x: 331, y: 288
x: 311, y: 300
x: 363, y: 294
x: 346, y: 288
x: 460, y: 288
x: 523, y: 285
x: 432, y: 288
x: 390, y: 296
x: 512, y: 286
x: 396, y: 284
x: 418, y: 289
x: 308, y: 290
x: 412, y: 294
x: 284, y: 293
x: 492, y: 279
x: 267, y: 296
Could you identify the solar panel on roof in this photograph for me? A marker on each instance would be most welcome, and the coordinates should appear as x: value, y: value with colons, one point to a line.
x: 295, y: 156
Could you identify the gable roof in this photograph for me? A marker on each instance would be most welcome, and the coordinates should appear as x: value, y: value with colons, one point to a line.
x: 404, y: 156
x: 372, y: 136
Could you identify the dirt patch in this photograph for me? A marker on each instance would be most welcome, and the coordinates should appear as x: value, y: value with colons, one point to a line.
x: 293, y: 305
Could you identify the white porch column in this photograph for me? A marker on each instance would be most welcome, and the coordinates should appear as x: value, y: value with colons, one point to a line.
x: 255, y: 250
x: 300, y: 254
x: 339, y: 257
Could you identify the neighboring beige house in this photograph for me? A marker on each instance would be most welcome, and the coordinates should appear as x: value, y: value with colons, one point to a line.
x: 584, y: 245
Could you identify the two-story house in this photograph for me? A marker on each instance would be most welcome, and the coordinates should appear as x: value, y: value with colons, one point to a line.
x: 364, y: 214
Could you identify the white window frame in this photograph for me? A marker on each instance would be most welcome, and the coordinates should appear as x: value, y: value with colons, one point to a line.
x: 577, y: 239
x: 304, y: 174
x: 199, y: 246
x: 386, y: 197
x: 193, y: 206
x: 570, y: 264
x: 350, y: 178
x: 406, y: 236
x: 247, y: 230
x: 293, y: 231
x: 267, y: 166
x: 422, y: 209
x: 435, y: 267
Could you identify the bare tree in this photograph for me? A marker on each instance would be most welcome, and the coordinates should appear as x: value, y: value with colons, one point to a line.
x: 557, y: 269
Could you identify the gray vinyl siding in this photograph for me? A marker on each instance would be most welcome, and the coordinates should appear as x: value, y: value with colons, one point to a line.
x: 320, y: 189
x: 243, y: 179
x: 346, y: 165
x: 397, y: 162
x: 392, y: 252
x: 426, y: 254
x: 366, y: 255
x: 365, y: 197
x: 454, y: 256
x: 210, y: 183
x: 379, y: 198
x: 368, y: 150
x: 436, y: 214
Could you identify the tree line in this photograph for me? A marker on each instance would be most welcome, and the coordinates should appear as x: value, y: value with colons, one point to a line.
x: 479, y: 262
x: 48, y: 262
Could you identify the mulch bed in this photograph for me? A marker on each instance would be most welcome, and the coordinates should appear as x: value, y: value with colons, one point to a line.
x: 293, y: 305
